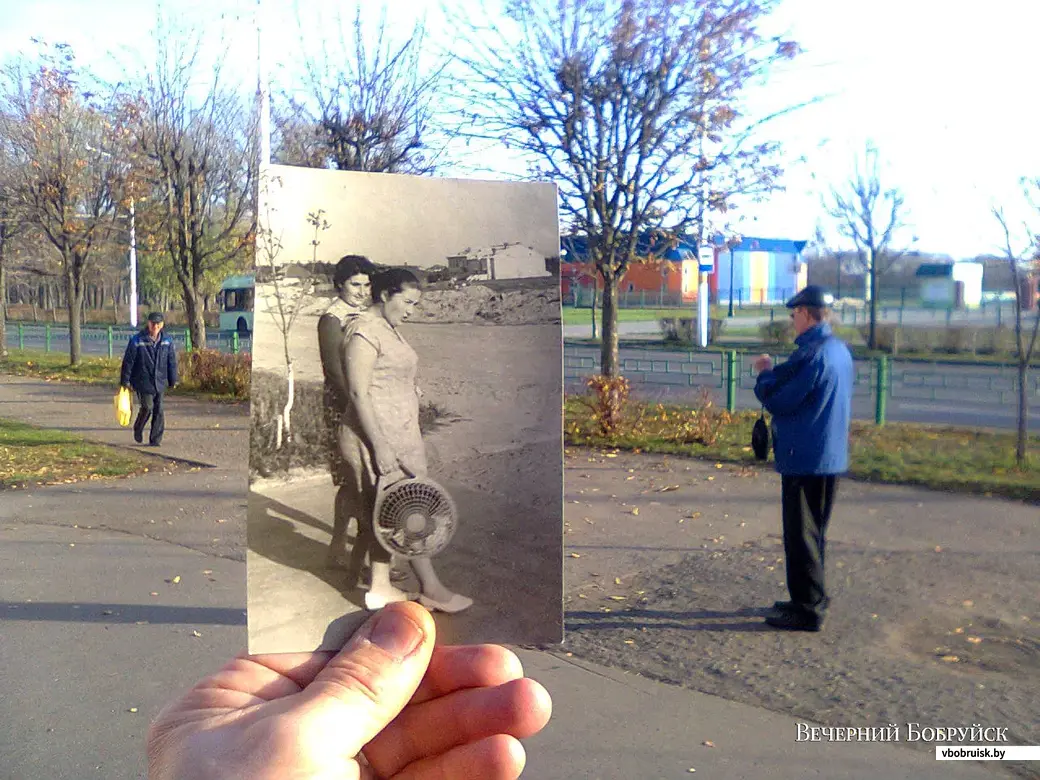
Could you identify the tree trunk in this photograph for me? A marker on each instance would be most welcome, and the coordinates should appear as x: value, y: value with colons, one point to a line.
x: 1023, y: 411
x: 284, y: 424
x: 3, y: 305
x: 872, y: 271
x: 609, y: 351
x: 74, y: 301
x: 196, y: 320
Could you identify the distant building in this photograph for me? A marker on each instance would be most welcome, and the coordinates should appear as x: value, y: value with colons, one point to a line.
x: 502, y: 261
x: 762, y: 270
x: 950, y: 285
x: 759, y: 270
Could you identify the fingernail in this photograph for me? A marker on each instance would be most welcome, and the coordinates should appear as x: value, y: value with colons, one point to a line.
x: 396, y: 633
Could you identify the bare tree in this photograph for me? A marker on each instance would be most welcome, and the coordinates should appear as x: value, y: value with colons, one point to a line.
x: 368, y: 104
x: 13, y: 222
x: 54, y: 126
x: 633, y: 108
x: 201, y: 158
x: 1022, y: 263
x: 871, y: 216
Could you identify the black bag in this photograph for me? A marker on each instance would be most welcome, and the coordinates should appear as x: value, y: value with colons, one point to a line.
x: 760, y: 437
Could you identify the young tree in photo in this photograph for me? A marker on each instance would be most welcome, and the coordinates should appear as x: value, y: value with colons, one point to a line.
x: 366, y: 105
x: 284, y: 295
x: 1023, y: 265
x: 200, y: 150
x: 871, y: 216
x: 635, y: 109
x: 68, y: 188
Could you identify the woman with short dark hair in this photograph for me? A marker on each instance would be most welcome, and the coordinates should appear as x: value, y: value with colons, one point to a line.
x: 380, y: 431
x: 351, y: 280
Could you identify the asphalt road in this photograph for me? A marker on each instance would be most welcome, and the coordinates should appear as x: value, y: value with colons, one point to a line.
x: 116, y: 594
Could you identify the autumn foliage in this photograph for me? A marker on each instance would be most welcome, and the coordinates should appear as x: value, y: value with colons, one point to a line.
x: 610, y: 416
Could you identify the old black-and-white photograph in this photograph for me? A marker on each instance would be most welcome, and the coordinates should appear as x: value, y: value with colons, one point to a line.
x: 406, y: 439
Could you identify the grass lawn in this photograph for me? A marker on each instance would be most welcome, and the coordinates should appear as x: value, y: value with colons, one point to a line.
x: 949, y: 459
x: 39, y: 456
x: 54, y: 367
x: 572, y: 316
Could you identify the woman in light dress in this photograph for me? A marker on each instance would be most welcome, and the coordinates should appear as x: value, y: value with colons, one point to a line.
x: 380, y: 433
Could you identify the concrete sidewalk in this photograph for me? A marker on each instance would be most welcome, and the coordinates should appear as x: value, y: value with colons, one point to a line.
x: 197, y: 431
x: 93, y: 626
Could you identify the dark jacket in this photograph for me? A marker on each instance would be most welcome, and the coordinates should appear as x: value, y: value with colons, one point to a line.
x: 149, y: 366
x: 810, y: 398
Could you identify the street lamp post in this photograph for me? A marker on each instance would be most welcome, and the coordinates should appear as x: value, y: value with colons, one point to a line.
x: 133, y: 265
x: 731, y: 281
x: 133, y: 249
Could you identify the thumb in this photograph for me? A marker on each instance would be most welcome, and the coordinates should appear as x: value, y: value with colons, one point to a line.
x: 373, y: 677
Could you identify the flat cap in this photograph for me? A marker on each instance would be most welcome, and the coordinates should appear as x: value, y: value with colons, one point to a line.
x: 811, y: 295
x: 155, y: 316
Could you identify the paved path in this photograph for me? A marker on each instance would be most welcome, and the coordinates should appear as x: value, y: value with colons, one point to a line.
x: 210, y: 434
x: 92, y: 626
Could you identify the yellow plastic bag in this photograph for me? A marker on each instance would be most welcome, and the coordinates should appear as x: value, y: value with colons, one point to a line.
x: 124, y: 406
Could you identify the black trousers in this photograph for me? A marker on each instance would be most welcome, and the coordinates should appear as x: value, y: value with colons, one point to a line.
x: 807, y: 504
x: 151, y: 406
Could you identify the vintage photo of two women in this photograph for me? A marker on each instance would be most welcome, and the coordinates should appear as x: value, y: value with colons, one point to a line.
x: 407, y: 378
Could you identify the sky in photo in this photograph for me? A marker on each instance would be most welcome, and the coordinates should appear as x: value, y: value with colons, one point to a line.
x: 941, y: 89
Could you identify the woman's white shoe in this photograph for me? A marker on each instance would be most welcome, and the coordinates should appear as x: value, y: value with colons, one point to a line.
x: 380, y: 599
x: 457, y: 603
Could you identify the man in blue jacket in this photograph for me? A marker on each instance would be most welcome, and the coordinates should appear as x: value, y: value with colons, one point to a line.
x: 810, y: 399
x: 150, y: 367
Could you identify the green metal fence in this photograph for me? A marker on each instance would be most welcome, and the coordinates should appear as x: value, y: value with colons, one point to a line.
x: 879, y: 379
x: 111, y: 340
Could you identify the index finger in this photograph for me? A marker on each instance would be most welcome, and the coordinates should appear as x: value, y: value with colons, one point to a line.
x: 454, y: 668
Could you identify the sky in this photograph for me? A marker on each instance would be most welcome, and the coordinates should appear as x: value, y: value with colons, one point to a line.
x: 403, y: 220
x: 943, y: 90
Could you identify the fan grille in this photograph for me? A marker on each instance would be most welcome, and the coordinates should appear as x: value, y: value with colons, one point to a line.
x: 414, y: 517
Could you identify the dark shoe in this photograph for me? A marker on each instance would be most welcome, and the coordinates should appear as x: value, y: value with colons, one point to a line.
x: 138, y: 437
x: 795, y: 621
x: 790, y: 606
x: 155, y: 444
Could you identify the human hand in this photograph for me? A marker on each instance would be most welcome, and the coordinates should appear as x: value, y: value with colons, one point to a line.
x: 415, y: 712
x: 763, y: 363
x: 386, y: 460
x: 410, y: 469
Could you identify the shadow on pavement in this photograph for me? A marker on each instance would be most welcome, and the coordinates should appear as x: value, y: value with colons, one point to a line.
x: 738, y: 620
x: 67, y: 612
x: 272, y: 534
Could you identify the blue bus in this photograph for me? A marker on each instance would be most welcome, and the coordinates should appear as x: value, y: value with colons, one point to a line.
x: 236, y: 303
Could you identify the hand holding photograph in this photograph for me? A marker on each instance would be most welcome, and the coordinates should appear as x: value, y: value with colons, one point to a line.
x: 406, y: 439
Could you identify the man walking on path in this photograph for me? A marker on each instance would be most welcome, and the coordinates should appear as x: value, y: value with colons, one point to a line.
x: 150, y: 367
x: 810, y: 399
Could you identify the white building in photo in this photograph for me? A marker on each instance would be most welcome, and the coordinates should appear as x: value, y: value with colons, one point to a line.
x: 502, y: 261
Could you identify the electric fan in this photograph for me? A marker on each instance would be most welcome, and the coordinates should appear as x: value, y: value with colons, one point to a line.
x: 413, y: 517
